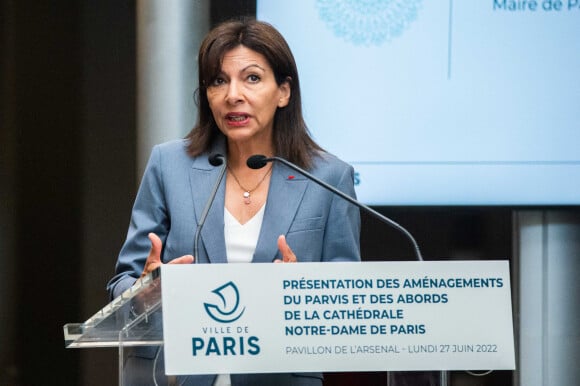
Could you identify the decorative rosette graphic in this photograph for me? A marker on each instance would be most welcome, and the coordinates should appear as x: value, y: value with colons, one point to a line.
x: 368, y: 22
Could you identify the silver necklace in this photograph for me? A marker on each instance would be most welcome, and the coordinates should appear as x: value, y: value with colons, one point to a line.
x: 247, y: 192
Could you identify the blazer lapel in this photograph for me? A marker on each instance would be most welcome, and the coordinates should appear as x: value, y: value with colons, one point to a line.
x: 284, y: 196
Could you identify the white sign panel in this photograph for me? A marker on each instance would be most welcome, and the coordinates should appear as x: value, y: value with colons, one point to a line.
x: 371, y: 316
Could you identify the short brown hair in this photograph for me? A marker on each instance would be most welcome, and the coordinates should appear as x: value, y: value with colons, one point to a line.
x: 292, y: 139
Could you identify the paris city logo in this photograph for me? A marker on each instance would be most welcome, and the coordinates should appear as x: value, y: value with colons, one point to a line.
x: 225, y: 338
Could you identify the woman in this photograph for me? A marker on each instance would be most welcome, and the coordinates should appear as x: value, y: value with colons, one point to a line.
x: 249, y: 103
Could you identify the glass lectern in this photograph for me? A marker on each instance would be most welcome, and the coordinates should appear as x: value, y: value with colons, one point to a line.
x: 132, y: 319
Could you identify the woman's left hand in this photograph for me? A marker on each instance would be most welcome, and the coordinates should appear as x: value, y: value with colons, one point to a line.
x: 287, y: 255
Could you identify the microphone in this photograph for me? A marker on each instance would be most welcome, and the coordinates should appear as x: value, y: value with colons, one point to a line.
x: 259, y: 161
x: 214, y: 159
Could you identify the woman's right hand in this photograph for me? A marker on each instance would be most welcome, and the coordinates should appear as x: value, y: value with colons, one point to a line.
x: 154, y: 259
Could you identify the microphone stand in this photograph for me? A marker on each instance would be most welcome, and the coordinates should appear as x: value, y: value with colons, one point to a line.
x: 214, y: 160
x: 259, y: 161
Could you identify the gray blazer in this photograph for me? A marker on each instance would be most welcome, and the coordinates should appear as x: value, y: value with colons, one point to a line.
x: 318, y: 225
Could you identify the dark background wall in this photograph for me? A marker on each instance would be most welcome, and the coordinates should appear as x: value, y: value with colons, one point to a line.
x: 41, y: 81
x: 67, y: 164
x: 68, y: 150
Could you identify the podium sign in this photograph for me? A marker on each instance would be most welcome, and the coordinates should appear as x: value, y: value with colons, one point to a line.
x: 371, y: 316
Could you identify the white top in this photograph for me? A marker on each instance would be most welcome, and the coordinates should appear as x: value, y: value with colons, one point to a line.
x: 241, y: 241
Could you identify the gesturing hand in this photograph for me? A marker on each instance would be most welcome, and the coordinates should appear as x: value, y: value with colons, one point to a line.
x: 287, y: 255
x: 154, y: 259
